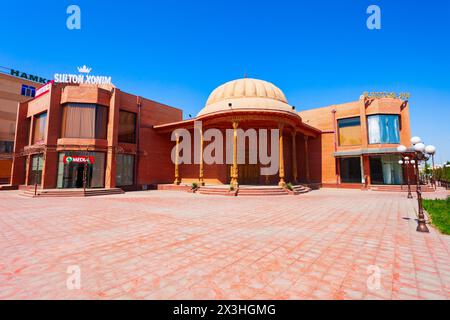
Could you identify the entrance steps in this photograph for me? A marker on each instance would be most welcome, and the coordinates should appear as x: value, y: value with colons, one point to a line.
x: 216, y: 190
x: 248, y: 191
x: 261, y: 191
x: 65, y: 193
x: 300, y: 189
x: 387, y: 188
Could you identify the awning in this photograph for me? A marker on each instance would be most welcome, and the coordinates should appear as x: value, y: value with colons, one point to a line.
x: 360, y: 152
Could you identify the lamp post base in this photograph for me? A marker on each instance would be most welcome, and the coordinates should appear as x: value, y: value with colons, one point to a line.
x: 422, y: 227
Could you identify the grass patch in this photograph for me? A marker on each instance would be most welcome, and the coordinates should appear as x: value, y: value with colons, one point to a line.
x: 439, y: 210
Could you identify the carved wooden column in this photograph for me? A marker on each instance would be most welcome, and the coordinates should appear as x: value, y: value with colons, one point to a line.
x: 307, y: 159
x: 177, y: 160
x: 282, y: 182
x: 234, y: 170
x: 202, y: 172
x: 294, y: 158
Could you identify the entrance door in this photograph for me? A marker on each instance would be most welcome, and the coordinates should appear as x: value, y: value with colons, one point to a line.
x: 249, y: 174
x: 73, y: 176
x: 70, y: 175
x: 376, y: 170
x: 351, y: 170
x: 385, y: 170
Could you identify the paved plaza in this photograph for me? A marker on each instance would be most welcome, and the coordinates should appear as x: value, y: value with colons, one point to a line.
x: 328, y: 244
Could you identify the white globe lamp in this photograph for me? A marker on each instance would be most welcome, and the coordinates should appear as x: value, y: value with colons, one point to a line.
x: 402, y: 149
x: 419, y: 147
x: 430, y: 150
x: 416, y: 140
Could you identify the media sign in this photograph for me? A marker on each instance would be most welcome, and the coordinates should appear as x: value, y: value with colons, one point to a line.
x: 44, y: 89
x: 79, y: 160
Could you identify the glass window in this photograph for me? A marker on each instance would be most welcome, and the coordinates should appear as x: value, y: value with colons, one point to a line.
x: 384, y: 129
x: 86, y: 121
x: 125, y: 170
x: 101, y: 122
x: 6, y: 146
x: 37, y: 163
x: 386, y: 170
x: 349, y: 131
x: 350, y: 169
x: 28, y: 91
x: 40, y: 127
x: 127, y: 127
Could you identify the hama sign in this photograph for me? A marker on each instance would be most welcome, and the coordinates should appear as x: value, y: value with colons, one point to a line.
x: 79, y: 160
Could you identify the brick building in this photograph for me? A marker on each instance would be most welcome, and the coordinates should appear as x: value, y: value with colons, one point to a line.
x: 130, y: 139
x: 113, y: 127
x: 15, y: 86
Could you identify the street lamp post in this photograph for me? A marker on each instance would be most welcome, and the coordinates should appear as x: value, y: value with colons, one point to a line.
x: 421, y: 153
x: 406, y: 162
x: 431, y: 150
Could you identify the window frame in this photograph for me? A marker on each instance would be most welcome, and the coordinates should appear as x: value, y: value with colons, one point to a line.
x: 135, y: 127
x: 28, y: 91
x: 119, y: 185
x: 384, y: 114
x: 97, y: 107
x: 33, y: 138
x: 339, y: 134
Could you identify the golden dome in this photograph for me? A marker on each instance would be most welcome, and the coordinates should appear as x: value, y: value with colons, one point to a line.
x: 248, y: 94
x: 248, y: 88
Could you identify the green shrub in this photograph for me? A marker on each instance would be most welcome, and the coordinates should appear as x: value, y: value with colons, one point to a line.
x: 289, y: 186
x: 194, y: 186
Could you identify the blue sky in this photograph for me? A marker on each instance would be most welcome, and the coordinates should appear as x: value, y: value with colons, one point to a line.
x: 178, y: 51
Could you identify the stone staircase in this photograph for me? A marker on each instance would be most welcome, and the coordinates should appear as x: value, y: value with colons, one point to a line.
x: 300, y: 189
x: 216, y: 190
x: 65, y: 193
x: 245, y: 191
x: 248, y: 191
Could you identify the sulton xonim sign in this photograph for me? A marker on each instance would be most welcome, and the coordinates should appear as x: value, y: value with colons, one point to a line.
x: 83, y: 77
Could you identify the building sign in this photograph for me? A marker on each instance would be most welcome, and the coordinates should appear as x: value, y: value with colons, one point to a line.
x: 402, y: 95
x: 79, y: 160
x: 83, y: 77
x: 27, y: 76
x: 44, y: 89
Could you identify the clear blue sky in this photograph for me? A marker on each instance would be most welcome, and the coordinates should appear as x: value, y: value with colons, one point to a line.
x: 178, y: 51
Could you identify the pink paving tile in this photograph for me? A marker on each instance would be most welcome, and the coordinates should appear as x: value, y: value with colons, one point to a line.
x: 171, y: 245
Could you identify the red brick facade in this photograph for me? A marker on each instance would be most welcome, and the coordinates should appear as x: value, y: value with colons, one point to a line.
x: 317, y: 147
x: 152, y: 156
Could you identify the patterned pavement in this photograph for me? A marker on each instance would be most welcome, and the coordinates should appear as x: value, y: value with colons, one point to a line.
x: 329, y: 244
